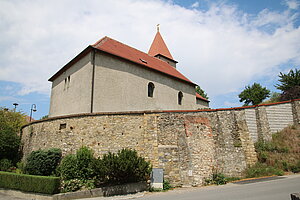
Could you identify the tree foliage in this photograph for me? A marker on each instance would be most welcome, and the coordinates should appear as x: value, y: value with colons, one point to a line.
x: 43, y: 162
x: 78, y: 166
x: 200, y: 91
x: 44, y: 117
x: 289, y: 80
x: 83, y: 170
x: 124, y: 167
x: 289, y: 85
x: 254, y: 94
x: 10, y: 125
x: 293, y: 93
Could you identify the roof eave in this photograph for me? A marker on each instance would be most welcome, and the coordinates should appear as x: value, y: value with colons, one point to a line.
x: 203, y: 99
x: 165, y: 57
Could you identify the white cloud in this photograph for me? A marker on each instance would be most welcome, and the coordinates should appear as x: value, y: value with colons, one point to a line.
x: 7, y: 98
x: 292, y: 4
x: 221, y: 49
x: 195, y: 4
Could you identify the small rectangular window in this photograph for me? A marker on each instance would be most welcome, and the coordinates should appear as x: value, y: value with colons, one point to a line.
x: 65, y: 85
x: 69, y: 79
x: 62, y: 126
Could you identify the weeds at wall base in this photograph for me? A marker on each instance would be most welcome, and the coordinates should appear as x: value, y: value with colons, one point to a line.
x: 219, y: 179
x: 166, y: 186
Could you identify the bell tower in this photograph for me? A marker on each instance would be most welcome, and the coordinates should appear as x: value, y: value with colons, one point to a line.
x: 160, y: 50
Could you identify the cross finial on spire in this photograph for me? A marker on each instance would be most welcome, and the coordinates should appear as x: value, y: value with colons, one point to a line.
x: 157, y: 27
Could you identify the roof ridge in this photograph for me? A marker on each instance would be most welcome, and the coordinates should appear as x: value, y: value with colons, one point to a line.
x: 106, y: 38
x: 100, y: 41
x: 126, y: 45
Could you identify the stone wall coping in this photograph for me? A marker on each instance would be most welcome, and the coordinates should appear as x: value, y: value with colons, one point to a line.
x: 152, y: 112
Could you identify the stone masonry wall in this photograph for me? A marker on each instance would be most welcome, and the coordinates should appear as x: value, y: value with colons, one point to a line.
x: 264, y: 120
x: 189, y: 145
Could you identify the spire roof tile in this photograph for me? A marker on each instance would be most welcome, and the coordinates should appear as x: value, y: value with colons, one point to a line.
x: 158, y: 46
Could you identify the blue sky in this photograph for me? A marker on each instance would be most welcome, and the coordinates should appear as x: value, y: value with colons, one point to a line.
x: 222, y: 45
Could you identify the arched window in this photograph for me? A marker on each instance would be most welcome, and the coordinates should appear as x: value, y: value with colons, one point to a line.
x: 150, y: 89
x: 180, y: 97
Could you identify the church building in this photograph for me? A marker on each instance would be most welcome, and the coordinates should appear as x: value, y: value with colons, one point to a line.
x: 110, y: 76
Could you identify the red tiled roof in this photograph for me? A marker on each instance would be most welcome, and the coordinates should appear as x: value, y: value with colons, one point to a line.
x: 198, y: 96
x: 121, y: 50
x: 158, y: 46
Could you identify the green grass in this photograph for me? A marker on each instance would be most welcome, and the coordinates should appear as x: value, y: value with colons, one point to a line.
x: 262, y: 169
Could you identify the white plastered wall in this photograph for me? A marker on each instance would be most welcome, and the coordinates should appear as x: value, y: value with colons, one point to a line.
x: 123, y: 86
x: 72, y: 96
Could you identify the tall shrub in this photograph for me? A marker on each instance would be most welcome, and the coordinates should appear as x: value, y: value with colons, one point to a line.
x: 67, y: 169
x: 83, y: 170
x: 79, y: 166
x: 43, y: 162
x: 124, y: 167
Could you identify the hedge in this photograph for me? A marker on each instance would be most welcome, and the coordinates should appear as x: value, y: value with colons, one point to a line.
x: 30, y: 183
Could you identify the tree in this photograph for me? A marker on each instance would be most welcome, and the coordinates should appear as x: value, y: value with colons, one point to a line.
x: 254, y: 94
x: 289, y: 85
x: 10, y: 125
x: 44, y: 117
x: 201, y: 92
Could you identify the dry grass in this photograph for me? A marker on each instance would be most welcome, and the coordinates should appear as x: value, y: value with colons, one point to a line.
x: 283, y: 152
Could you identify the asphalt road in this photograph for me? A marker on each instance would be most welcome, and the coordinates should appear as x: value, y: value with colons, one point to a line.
x: 275, y: 188
x: 278, y: 188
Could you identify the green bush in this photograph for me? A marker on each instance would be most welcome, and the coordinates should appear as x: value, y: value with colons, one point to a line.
x: 84, y: 171
x: 79, y: 166
x: 78, y: 171
x: 124, y: 167
x: 29, y: 183
x: 262, y: 169
x: 167, y: 185
x: 67, y: 169
x: 5, y: 164
x: 76, y: 184
x: 296, y: 168
x: 85, y: 159
x: 43, y: 162
x: 262, y: 146
x: 20, y: 168
x: 217, y: 178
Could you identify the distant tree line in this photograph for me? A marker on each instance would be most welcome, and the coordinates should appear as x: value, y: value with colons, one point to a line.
x: 289, y: 84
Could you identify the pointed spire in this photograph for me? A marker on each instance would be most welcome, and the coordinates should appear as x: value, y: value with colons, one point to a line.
x: 158, y: 46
